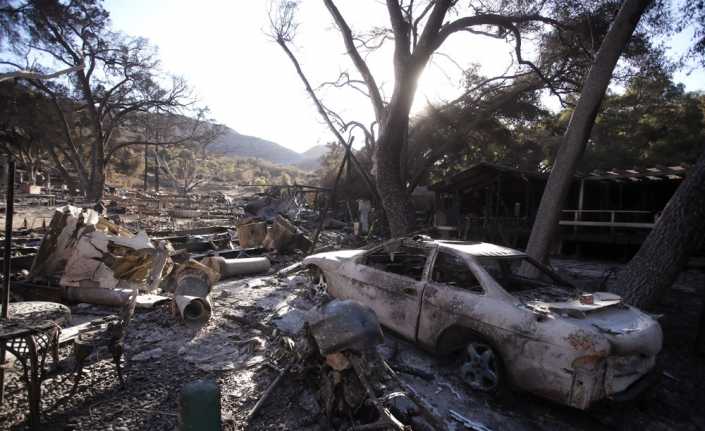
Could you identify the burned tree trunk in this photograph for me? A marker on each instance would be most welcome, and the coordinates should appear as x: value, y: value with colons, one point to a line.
x: 679, y: 231
x: 573, y: 144
x: 395, y: 199
x: 390, y: 144
x: 94, y: 191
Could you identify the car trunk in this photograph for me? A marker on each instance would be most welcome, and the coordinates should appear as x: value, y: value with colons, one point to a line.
x: 635, y: 338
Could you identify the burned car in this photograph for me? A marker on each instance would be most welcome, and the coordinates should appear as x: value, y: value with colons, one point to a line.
x: 515, y: 322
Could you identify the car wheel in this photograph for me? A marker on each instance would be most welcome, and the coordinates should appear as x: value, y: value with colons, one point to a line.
x: 481, y: 368
x: 317, y: 279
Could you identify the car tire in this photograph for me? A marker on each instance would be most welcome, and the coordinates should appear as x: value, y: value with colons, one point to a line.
x: 481, y: 367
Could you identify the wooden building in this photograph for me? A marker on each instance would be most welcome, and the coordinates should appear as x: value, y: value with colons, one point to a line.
x: 497, y: 203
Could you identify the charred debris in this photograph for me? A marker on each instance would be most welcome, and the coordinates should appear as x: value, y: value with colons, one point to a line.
x: 231, y: 329
x: 166, y: 247
x: 172, y: 253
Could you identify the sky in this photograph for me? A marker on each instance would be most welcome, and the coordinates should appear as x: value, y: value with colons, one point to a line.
x: 222, y: 49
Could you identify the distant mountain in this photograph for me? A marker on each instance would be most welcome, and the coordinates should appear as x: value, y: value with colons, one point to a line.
x: 315, y: 152
x: 232, y: 143
x: 311, y: 158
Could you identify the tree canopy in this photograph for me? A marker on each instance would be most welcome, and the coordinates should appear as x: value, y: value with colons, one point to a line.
x: 101, y: 107
x: 652, y: 121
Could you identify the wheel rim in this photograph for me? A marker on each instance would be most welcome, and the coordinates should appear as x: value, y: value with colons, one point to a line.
x: 317, y: 279
x: 480, y: 367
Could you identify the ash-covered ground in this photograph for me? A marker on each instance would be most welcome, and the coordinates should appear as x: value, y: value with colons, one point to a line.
x: 247, y: 338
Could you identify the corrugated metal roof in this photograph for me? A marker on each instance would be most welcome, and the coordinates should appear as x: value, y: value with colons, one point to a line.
x: 655, y: 173
x: 470, y: 176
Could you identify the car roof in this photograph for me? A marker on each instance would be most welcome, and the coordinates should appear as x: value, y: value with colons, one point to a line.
x: 480, y: 249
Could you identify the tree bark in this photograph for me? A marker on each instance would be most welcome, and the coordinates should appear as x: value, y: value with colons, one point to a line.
x: 390, y: 144
x: 68, y: 179
x: 579, y: 127
x: 679, y: 231
x: 94, y: 191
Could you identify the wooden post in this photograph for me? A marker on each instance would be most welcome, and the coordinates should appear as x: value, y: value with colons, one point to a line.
x: 9, y: 207
x: 499, y: 196
x: 146, y: 166
x: 581, y: 198
x: 156, y: 170
x: 527, y: 198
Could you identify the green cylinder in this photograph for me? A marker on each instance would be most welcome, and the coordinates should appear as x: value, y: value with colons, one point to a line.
x: 199, y: 406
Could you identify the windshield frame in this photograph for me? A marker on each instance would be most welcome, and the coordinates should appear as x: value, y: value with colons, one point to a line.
x: 558, y: 281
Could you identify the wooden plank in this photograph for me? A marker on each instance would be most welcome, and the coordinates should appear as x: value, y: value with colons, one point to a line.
x: 610, y: 211
x: 606, y: 224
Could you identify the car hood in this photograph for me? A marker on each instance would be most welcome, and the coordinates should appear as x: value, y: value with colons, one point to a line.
x: 560, y: 300
x: 628, y: 330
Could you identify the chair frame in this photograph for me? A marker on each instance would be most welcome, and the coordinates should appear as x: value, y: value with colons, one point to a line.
x: 108, y: 332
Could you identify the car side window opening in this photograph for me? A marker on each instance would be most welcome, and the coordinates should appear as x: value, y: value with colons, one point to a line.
x: 405, y: 260
x: 517, y: 274
x: 453, y: 270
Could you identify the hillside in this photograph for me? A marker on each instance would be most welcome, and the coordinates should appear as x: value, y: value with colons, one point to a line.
x: 219, y: 170
x: 310, y: 160
x: 235, y: 144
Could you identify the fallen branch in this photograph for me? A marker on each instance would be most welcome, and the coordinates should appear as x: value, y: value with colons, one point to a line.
x: 406, y: 369
x: 266, y: 394
x: 26, y: 74
x: 425, y: 409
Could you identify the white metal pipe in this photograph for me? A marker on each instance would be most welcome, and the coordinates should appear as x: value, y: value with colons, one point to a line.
x: 242, y: 266
x: 194, y: 310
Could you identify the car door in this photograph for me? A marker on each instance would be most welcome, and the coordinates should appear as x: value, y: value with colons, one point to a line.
x: 390, y: 280
x: 454, y: 294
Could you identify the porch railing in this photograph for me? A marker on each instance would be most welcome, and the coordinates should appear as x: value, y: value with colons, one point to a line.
x: 608, y: 218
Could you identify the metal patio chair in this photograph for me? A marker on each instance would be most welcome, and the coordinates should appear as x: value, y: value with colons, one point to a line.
x: 106, y: 334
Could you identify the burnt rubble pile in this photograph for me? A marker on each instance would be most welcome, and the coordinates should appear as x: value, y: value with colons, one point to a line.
x: 168, y: 245
x: 281, y: 220
x: 96, y: 257
x: 88, y: 255
x: 356, y: 382
x: 336, y: 357
x: 86, y: 258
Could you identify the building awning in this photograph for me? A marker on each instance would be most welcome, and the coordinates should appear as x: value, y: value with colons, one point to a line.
x: 483, y: 174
